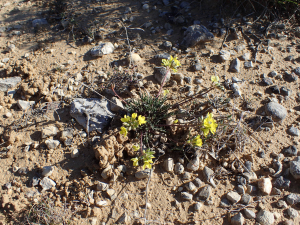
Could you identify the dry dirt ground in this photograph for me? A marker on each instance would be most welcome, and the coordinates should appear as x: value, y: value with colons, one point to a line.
x: 48, y: 58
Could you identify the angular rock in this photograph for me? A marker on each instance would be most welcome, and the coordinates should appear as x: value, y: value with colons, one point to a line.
x: 102, y: 49
x: 179, y: 168
x: 277, y: 111
x: 116, y: 105
x: 233, y: 197
x: 293, y: 213
x: 24, y: 105
x: 265, y: 185
x: 225, y: 55
x: 196, y: 34
x: 235, y: 65
x: 198, y: 206
x: 101, y: 186
x: 265, y: 217
x: 143, y: 174
x: 46, y: 183
x: 191, y: 187
x: 49, y: 131
x: 159, y: 74
x: 186, y: 196
x: 293, y: 199
x: 249, y: 214
x: 97, y: 110
x: 290, y: 151
x: 293, y: 131
x: 237, y: 219
x: 282, y: 183
x: 204, y: 193
x: 295, y: 169
x: 74, y: 153
x: 124, y: 219
x: 52, y: 144
x: 9, y: 83
x: 194, y: 164
x: 297, y: 71
x: 111, y: 193
x: 48, y: 170
x: 246, y: 199
x: 246, y: 56
x: 101, y: 203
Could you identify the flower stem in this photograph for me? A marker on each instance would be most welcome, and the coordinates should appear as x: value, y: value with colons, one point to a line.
x: 112, y: 88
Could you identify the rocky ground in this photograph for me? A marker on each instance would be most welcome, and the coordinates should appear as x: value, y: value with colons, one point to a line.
x: 62, y: 157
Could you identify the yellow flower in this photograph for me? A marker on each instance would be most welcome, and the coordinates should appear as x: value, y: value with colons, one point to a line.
x: 136, y: 147
x: 123, y: 131
x: 135, y: 161
x: 175, y: 121
x: 134, y: 115
x: 197, y: 141
x: 141, y: 120
x: 147, y: 164
x: 209, y: 125
x: 214, y: 79
x: 166, y: 92
x: 172, y: 63
x: 125, y: 119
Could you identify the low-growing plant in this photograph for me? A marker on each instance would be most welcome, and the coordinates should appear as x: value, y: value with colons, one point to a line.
x: 146, y: 117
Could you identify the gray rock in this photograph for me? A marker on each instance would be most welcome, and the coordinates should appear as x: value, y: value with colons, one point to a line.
x: 198, y: 183
x: 74, y: 153
x: 198, y: 206
x: 24, y: 105
x: 186, y: 176
x: 124, y: 219
x: 225, y: 55
x: 237, y: 219
x: 233, y: 197
x: 143, y: 174
x: 240, y: 189
x: 293, y: 213
x: 224, y: 203
x: 48, y: 170
x: 34, y: 181
x: 160, y: 73
x: 46, y: 183
x: 265, y: 217
x: 102, y: 49
x: 246, y: 56
x: 111, y: 193
x: 49, y: 131
x: 249, y: 214
x: 281, y: 204
x: 191, y: 187
x: 267, y: 81
x: 293, y: 131
x: 246, y: 199
x: 9, y: 83
x: 204, y: 192
x: 248, y: 64
x: 235, y: 65
x: 116, y: 105
x: 240, y: 48
x: 196, y: 34
x: 194, y: 164
x: 277, y: 111
x: 52, y: 144
x: 197, y: 67
x: 163, y: 56
x: 167, y: 44
x: 97, y: 110
x: 179, y: 168
x: 186, y: 196
x: 290, y: 151
x: 273, y: 74
x: 208, y: 173
x: 39, y: 22
x: 293, y: 199
x: 297, y: 71
x: 295, y: 169
x: 282, y: 183
x: 23, y: 170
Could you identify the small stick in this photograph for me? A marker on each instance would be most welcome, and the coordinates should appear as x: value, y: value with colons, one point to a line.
x: 145, y: 214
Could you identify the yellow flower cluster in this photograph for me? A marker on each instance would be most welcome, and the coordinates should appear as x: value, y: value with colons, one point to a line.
x: 146, y: 157
x: 209, y: 124
x: 131, y: 123
x: 172, y: 63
